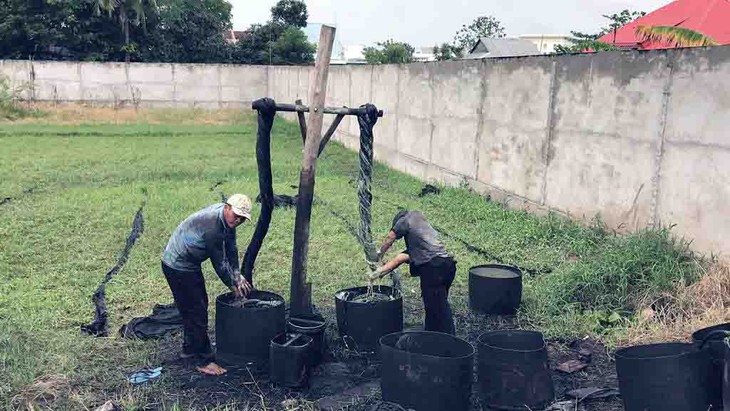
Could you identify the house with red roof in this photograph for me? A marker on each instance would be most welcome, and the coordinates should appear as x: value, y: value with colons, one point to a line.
x: 709, y: 17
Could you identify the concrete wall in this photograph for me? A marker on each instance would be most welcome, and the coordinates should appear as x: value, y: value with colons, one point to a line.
x: 138, y: 84
x: 640, y: 138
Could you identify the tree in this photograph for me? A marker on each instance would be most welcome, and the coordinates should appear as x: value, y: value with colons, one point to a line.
x: 279, y: 41
x: 483, y: 26
x: 188, y: 31
x: 128, y: 11
x: 253, y: 46
x: 273, y: 43
x: 30, y: 28
x: 447, y: 52
x: 389, y: 52
x: 674, y: 36
x: 290, y: 13
x: 580, y: 42
x: 616, y: 21
x: 57, y: 30
x: 292, y: 47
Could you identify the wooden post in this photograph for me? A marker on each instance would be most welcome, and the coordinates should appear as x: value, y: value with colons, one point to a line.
x: 301, y: 291
x: 302, y: 121
x: 329, y: 133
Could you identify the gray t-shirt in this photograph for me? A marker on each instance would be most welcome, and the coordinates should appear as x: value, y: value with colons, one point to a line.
x: 201, y: 236
x: 422, y: 240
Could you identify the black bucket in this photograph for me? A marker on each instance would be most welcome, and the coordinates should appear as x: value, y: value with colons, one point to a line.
x: 243, y: 334
x: 513, y: 370
x: 313, y: 326
x: 363, y: 323
x: 426, y: 370
x: 711, y: 340
x: 495, y: 289
x: 663, y: 377
x: 288, y: 359
x: 726, y: 380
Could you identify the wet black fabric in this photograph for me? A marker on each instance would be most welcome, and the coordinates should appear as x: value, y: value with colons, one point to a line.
x: 282, y: 200
x: 191, y: 299
x: 164, y: 319
x: 436, y: 277
x: 99, y: 327
x: 266, y: 109
x: 366, y: 121
x: 429, y: 189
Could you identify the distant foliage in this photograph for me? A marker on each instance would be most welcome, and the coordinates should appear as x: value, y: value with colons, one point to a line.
x: 389, y: 52
x: 183, y: 31
x: 483, y: 26
x: 580, y: 42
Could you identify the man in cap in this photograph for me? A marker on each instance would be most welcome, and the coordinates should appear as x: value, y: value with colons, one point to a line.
x: 429, y: 260
x: 208, y: 234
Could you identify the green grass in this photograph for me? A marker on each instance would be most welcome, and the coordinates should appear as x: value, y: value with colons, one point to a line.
x: 75, y: 190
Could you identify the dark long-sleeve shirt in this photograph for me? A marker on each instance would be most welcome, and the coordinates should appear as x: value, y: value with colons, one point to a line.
x: 204, y: 235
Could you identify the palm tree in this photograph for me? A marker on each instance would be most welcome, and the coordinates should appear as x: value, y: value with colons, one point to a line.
x: 674, y: 36
x: 125, y: 8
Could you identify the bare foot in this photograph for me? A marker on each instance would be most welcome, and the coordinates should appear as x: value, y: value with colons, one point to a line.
x: 212, y: 369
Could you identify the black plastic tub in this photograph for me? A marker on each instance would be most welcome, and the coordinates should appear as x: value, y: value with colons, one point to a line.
x: 243, y: 334
x: 426, y: 371
x: 495, y: 289
x: 513, y: 370
x: 362, y: 324
x: 288, y: 359
x: 711, y: 340
x: 664, y: 377
x: 313, y: 326
x: 726, y: 381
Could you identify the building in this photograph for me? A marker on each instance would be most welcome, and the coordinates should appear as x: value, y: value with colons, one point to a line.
x: 338, y: 50
x: 546, y: 43
x: 233, y: 36
x: 709, y: 17
x: 354, y: 54
x: 423, y: 54
x: 490, y: 47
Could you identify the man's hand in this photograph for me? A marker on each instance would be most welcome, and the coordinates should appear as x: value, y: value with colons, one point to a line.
x: 375, y: 275
x: 240, y: 287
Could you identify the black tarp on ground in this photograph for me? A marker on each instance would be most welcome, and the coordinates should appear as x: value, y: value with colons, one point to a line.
x: 164, y: 319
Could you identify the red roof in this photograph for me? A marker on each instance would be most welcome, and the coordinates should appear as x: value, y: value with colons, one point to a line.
x: 709, y: 17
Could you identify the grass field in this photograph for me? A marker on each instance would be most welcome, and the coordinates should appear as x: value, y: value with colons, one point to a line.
x: 76, y: 177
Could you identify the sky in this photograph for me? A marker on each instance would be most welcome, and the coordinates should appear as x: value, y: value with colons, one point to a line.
x: 429, y: 22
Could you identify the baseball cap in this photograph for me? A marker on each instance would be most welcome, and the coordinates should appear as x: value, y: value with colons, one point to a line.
x: 240, y: 204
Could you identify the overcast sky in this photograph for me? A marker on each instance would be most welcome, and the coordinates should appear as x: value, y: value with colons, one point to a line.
x: 428, y: 22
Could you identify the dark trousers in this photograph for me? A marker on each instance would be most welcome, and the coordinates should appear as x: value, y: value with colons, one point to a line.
x: 437, y: 276
x: 188, y: 290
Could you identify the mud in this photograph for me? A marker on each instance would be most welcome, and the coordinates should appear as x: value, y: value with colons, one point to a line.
x: 370, y: 298
x: 254, y: 303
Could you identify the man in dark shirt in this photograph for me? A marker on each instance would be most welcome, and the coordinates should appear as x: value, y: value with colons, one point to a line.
x: 209, y: 233
x: 429, y: 260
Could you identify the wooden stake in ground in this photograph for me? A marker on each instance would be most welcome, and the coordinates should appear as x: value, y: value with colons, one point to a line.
x: 301, y: 291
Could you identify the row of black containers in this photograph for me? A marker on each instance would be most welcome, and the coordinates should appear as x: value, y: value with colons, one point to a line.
x: 433, y: 371
x: 653, y: 377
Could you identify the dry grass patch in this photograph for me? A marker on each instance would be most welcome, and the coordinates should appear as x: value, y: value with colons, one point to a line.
x: 82, y: 114
x: 41, y: 393
x: 699, y: 305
